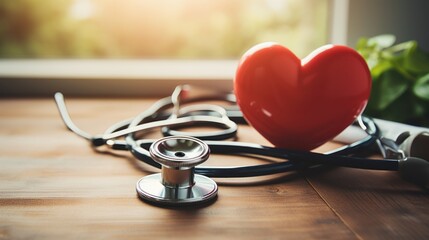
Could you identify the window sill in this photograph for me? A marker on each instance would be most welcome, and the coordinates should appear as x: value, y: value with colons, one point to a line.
x: 113, y: 78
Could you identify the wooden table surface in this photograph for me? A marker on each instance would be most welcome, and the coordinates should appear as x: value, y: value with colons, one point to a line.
x: 54, y: 186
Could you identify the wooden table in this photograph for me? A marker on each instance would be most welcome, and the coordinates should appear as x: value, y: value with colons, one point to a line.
x: 54, y: 186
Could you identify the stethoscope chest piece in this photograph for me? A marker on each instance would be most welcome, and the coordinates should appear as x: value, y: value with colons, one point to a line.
x: 177, y: 184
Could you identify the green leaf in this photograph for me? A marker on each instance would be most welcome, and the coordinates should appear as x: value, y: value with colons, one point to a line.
x: 381, y: 67
x: 362, y: 44
x: 421, y: 87
x: 386, y: 89
x: 416, y: 60
x: 382, y: 41
x: 409, y: 58
x: 407, y: 108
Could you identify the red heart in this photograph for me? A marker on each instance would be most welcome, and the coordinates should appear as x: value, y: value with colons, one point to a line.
x: 301, y: 104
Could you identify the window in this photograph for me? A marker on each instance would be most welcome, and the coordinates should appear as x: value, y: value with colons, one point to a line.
x: 141, y: 36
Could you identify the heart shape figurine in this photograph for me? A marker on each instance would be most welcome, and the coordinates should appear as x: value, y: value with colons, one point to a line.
x: 301, y: 104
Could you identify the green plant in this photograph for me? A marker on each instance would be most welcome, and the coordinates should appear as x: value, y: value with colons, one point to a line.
x: 400, y: 74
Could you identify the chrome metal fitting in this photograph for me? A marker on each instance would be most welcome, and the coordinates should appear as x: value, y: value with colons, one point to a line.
x: 177, y: 184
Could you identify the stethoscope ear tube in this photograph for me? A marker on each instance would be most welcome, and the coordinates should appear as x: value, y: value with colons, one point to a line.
x: 294, y: 160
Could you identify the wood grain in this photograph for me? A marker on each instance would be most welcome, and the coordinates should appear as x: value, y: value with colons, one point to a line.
x: 53, y: 185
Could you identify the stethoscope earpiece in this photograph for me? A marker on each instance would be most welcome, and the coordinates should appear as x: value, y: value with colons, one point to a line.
x: 415, y: 145
x: 414, y: 167
x: 177, y: 184
x: 415, y: 170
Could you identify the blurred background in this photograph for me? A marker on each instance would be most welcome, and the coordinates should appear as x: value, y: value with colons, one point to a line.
x: 179, y: 29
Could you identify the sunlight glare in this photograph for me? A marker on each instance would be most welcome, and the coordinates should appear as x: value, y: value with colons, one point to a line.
x: 277, y: 5
x: 82, y: 9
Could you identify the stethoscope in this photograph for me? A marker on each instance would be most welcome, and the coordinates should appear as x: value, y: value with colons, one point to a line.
x: 179, y: 153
